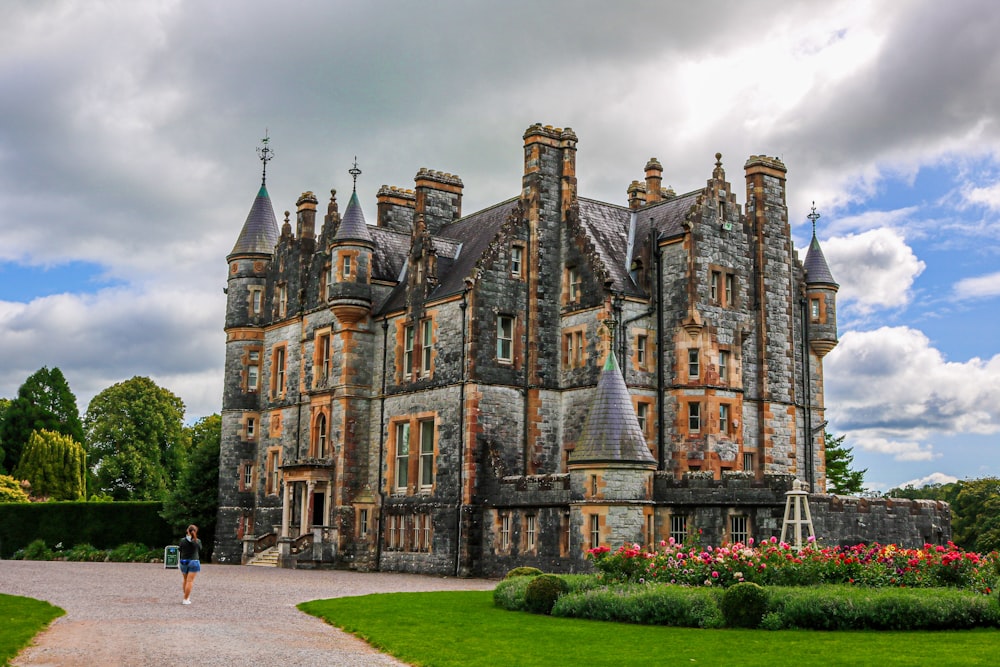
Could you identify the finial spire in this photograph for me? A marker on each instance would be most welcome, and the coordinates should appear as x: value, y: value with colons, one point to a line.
x: 266, y: 154
x: 355, y: 172
x: 814, y: 216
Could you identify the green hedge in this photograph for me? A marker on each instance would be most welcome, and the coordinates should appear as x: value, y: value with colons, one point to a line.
x: 103, y: 525
x: 646, y: 604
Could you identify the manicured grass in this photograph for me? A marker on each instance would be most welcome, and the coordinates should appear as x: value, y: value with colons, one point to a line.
x: 20, y: 620
x: 465, y: 629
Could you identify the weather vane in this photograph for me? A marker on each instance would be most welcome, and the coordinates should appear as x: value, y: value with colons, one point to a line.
x: 355, y: 172
x: 266, y: 154
x: 814, y: 216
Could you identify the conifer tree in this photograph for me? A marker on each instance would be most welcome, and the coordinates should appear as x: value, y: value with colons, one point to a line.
x: 44, y: 401
x: 55, y: 466
x: 840, y: 477
x: 11, y: 491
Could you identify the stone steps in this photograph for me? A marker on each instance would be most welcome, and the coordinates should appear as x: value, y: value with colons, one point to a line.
x: 266, y: 558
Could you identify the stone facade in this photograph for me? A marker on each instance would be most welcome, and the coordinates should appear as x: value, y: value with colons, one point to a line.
x: 459, y: 394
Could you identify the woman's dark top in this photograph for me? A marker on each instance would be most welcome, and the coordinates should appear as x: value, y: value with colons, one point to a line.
x: 189, y: 549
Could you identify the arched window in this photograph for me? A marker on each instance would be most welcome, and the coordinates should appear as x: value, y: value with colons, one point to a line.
x: 319, y: 437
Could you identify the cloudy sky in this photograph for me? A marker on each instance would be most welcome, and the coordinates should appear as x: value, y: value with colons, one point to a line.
x: 127, y: 166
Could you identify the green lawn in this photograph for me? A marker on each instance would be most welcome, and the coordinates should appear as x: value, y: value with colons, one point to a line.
x: 465, y: 629
x: 20, y: 620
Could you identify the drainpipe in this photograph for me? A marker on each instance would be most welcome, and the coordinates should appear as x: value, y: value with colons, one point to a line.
x: 807, y: 393
x: 381, y: 448
x: 526, y: 450
x: 661, y: 444
x: 462, y: 434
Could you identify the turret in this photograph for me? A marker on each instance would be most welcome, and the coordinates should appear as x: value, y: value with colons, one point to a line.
x: 821, y: 296
x: 350, y: 295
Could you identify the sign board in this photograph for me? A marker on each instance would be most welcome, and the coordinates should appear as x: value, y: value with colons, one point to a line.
x: 171, y: 557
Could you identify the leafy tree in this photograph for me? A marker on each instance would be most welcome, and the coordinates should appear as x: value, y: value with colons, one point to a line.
x: 136, y: 439
x: 946, y: 492
x: 194, y: 498
x: 55, y: 465
x: 840, y: 478
x: 976, y: 513
x: 44, y: 401
x: 11, y: 491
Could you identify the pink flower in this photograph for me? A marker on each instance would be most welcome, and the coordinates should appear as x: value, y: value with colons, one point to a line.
x: 663, y: 543
x: 715, y: 575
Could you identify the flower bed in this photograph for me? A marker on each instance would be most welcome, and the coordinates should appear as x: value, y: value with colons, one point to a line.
x: 774, y: 563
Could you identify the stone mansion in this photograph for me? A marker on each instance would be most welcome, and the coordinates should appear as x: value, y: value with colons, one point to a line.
x: 457, y: 394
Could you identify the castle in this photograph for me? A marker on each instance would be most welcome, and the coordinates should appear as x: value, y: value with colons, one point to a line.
x: 459, y: 394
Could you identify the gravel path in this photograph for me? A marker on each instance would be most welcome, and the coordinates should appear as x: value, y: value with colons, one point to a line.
x: 130, y: 614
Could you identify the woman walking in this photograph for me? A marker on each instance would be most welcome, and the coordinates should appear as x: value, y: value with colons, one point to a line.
x: 190, y: 557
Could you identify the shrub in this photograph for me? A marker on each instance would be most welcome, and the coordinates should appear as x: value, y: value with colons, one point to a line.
x: 850, y: 608
x: 132, y: 552
x: 523, y: 572
x: 542, y: 593
x: 36, y: 550
x: 85, y: 553
x: 509, y: 593
x: 648, y: 604
x: 744, y: 605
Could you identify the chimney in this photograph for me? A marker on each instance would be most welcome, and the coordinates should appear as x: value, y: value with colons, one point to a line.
x: 438, y: 197
x: 567, y: 142
x: 654, y: 179
x: 636, y: 195
x: 305, y: 227
x: 395, y: 208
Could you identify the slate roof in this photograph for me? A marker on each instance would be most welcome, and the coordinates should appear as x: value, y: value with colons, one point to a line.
x: 606, y: 225
x: 352, y: 225
x: 612, y: 433
x: 260, y: 231
x: 817, y: 270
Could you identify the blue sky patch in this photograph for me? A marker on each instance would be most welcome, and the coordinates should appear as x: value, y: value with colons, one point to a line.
x: 23, y: 283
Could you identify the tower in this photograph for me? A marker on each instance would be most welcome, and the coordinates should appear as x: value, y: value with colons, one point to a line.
x: 248, y: 263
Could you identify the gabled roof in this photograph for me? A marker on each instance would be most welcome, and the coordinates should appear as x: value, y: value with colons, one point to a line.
x: 612, y: 433
x: 606, y: 227
x: 817, y: 270
x: 352, y: 225
x: 260, y: 231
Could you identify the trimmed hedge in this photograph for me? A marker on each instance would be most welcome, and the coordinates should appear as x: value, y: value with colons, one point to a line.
x: 645, y: 604
x: 509, y: 593
x: 102, y: 525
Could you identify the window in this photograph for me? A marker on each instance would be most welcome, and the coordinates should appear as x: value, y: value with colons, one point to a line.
x: 408, y: 351
x: 253, y: 372
x: 251, y: 428
x: 724, y: 366
x: 748, y: 461
x: 814, y: 309
x: 738, y: 529
x: 328, y: 280
x: 322, y: 360
x: 426, y: 347
x: 426, y: 465
x: 273, y: 472
x: 282, y: 300
x: 256, y: 297
x: 730, y: 290
x: 247, y: 476
x: 505, y: 338
x: 723, y: 418
x: 504, y: 531
x: 516, y: 260
x: 278, y: 387
x: 393, y: 534
x: 678, y: 528
x: 568, y: 343
x: 642, y: 414
x: 345, y: 267
x: 641, y: 343
x: 363, y: 523
x: 650, y: 530
x: 593, y: 486
x: 402, y: 455
x: 573, y: 284
x: 694, y: 367
x: 595, y: 531
x: 424, y: 530
x: 694, y: 417
x: 716, y: 285
x: 319, y: 438
x: 530, y: 532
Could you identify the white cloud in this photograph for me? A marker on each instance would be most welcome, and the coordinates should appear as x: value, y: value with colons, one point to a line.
x: 892, y: 392
x: 933, y: 478
x: 988, y: 196
x: 978, y: 287
x: 876, y: 269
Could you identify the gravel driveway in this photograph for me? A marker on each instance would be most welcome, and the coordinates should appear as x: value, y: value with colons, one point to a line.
x: 130, y: 614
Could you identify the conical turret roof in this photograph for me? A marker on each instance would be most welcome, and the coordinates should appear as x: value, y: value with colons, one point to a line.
x: 612, y: 433
x: 817, y: 270
x: 352, y: 225
x: 260, y: 231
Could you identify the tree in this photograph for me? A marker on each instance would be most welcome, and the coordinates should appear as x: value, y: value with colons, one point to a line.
x: 840, y: 478
x: 135, y: 439
x: 195, y: 497
x: 11, y: 490
x: 977, y: 515
x: 44, y: 401
x: 55, y: 465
